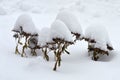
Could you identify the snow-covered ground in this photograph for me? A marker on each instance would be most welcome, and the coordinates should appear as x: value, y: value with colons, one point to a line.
x: 78, y: 65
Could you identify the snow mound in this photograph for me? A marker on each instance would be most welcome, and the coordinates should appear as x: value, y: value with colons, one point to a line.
x: 70, y: 20
x: 60, y: 30
x: 44, y: 36
x: 100, y: 35
x: 26, y: 22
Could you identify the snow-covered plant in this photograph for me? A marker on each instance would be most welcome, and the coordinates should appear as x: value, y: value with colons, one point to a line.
x: 72, y: 23
x: 62, y: 38
x: 33, y: 44
x: 24, y: 28
x: 43, y: 40
x: 98, y: 41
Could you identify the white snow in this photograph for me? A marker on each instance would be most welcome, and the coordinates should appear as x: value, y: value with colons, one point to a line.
x: 76, y: 66
x: 25, y: 21
x: 2, y: 11
x: 60, y: 30
x: 70, y: 20
x: 44, y: 36
x: 99, y: 34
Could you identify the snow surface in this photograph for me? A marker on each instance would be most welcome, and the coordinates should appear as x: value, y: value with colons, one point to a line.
x: 25, y: 21
x: 78, y: 65
x: 2, y: 11
x: 99, y: 34
x: 60, y: 30
x: 70, y: 20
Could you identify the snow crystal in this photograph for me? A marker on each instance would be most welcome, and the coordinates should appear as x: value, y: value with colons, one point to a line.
x: 44, y: 36
x: 100, y: 35
x: 25, y: 21
x: 60, y: 30
x: 71, y: 21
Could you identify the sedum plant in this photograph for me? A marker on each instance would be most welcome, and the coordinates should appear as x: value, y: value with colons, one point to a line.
x: 61, y: 47
x: 61, y: 39
x: 71, y: 21
x: 24, y: 29
x: 98, y: 41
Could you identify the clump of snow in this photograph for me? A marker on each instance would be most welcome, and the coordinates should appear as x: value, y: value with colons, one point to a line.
x: 44, y: 36
x: 70, y: 20
x: 25, y: 21
x: 60, y: 30
x: 100, y: 35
